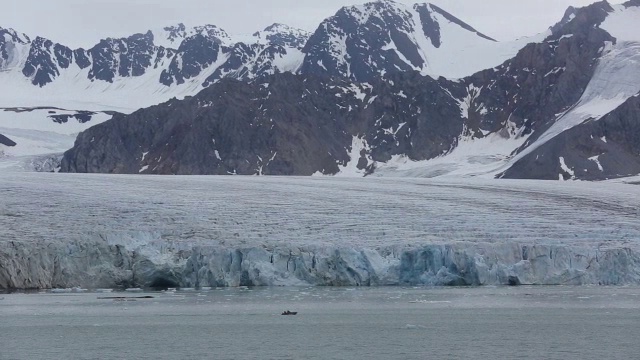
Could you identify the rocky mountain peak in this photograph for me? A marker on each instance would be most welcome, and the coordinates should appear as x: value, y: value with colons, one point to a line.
x: 172, y: 36
x: 580, y: 19
x: 10, y: 41
x: 360, y: 42
x: 10, y: 35
x: 176, y: 33
x: 283, y: 35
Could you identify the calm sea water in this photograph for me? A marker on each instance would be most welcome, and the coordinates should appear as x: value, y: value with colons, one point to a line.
x: 333, y: 323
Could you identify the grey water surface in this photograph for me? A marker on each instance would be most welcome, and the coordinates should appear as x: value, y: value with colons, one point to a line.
x: 332, y: 323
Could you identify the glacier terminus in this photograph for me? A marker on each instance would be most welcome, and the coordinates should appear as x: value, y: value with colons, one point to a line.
x: 106, y: 231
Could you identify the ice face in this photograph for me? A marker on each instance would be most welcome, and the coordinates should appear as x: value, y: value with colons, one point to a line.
x: 100, y: 231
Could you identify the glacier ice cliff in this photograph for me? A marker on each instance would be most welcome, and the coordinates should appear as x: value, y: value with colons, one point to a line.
x: 100, y: 231
x: 97, y: 264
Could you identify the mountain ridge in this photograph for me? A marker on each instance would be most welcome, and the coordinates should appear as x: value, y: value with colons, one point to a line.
x: 378, y: 125
x: 494, y: 119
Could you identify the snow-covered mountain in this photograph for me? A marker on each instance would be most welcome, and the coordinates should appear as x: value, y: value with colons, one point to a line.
x: 400, y: 90
x: 42, y: 80
x: 498, y: 122
x: 125, y: 74
x: 175, y: 61
x: 141, y: 70
x: 367, y: 41
x: 598, y: 136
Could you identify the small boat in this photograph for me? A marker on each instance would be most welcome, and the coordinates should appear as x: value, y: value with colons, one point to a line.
x: 290, y: 312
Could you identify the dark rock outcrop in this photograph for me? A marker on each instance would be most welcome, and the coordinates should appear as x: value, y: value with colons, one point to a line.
x: 45, y: 61
x: 127, y: 57
x: 6, y: 141
x: 281, y: 125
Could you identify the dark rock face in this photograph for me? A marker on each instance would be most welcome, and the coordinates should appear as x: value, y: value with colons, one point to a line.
x: 632, y: 3
x: 595, y: 150
x: 127, y: 57
x: 6, y: 141
x: 280, y: 125
x: 82, y: 58
x: 347, y: 46
x: 44, y: 61
x: 194, y: 55
x: 176, y: 32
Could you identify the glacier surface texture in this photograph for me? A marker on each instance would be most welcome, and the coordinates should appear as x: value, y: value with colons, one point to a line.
x: 96, y: 231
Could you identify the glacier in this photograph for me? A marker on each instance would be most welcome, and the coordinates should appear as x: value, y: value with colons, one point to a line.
x: 102, y: 231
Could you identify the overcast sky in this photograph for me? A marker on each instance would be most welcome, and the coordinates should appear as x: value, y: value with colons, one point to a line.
x: 82, y: 22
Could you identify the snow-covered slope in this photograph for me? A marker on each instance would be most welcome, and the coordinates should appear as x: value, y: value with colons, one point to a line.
x: 282, y: 35
x: 622, y: 22
x: 63, y: 230
x: 615, y: 81
x: 471, y: 157
x: 172, y: 36
x: 42, y: 135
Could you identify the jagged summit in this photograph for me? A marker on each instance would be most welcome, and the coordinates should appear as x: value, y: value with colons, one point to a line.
x: 283, y: 35
x: 8, y: 34
x: 173, y: 36
x: 360, y: 42
x: 575, y: 18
